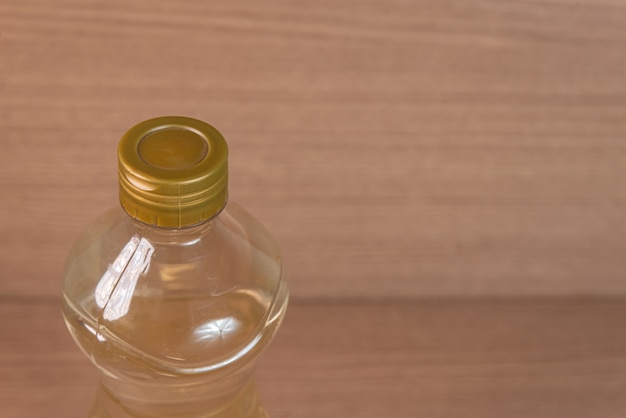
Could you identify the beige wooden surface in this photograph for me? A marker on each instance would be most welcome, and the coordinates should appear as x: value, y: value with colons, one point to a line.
x: 476, y: 359
x: 414, y: 148
x: 447, y: 180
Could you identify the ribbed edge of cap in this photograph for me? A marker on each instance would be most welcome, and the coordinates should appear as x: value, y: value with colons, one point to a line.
x: 173, y: 171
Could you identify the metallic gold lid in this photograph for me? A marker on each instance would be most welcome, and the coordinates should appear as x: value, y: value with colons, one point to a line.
x: 173, y: 171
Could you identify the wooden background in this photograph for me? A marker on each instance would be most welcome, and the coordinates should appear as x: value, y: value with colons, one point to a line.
x: 447, y: 180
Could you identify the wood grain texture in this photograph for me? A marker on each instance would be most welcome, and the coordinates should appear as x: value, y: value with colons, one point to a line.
x: 395, y: 148
x: 479, y: 359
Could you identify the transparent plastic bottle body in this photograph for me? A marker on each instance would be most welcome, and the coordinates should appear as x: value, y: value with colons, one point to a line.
x: 175, y: 319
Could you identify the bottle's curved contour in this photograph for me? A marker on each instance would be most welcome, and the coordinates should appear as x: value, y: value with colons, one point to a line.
x: 174, y: 296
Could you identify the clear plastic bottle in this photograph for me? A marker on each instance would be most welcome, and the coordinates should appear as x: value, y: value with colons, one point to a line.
x: 174, y: 295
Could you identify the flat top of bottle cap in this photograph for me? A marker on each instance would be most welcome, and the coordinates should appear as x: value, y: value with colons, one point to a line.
x: 173, y: 149
x: 173, y: 171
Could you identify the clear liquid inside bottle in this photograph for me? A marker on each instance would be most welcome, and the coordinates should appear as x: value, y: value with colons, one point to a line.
x: 175, y: 318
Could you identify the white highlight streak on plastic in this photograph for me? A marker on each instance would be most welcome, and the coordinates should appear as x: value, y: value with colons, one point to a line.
x: 116, y: 287
x: 114, y: 271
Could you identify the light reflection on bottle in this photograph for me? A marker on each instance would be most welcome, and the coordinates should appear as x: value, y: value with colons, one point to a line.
x: 115, y: 289
x: 217, y: 329
x: 114, y: 271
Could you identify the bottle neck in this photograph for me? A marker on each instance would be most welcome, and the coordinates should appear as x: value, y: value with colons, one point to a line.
x: 173, y: 236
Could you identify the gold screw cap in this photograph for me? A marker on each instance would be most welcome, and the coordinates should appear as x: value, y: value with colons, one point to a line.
x: 173, y: 171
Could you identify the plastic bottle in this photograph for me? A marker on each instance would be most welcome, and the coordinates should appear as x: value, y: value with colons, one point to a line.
x: 174, y: 295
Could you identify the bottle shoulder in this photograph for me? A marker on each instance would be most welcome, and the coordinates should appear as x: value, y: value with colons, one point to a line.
x: 232, y: 235
x: 215, y: 286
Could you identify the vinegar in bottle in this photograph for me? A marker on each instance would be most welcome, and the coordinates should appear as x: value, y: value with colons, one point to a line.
x: 175, y: 293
